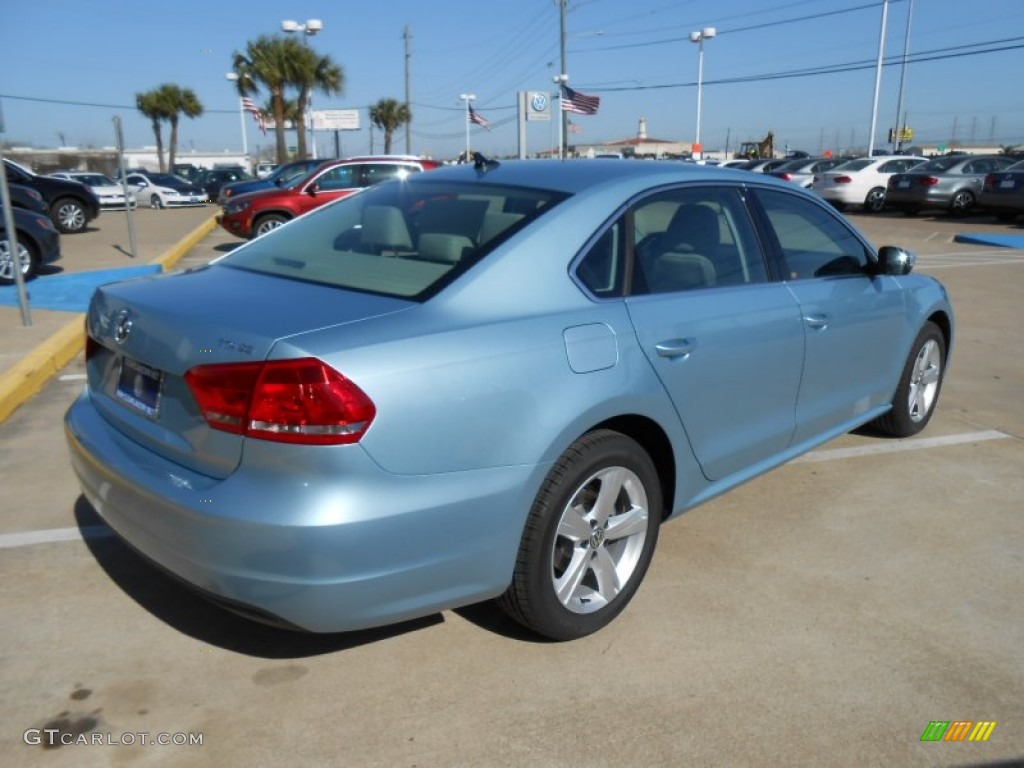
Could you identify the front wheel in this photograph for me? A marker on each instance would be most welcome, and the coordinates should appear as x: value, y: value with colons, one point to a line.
x: 918, y: 390
x: 26, y: 261
x: 588, y: 540
x: 875, y: 200
x: 156, y: 202
x: 68, y: 215
x: 267, y: 223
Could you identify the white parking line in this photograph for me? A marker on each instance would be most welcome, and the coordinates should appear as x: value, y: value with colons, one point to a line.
x: 72, y: 377
x: 28, y: 538
x: 893, y: 446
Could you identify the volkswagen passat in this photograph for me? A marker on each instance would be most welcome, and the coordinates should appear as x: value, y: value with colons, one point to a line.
x: 489, y: 381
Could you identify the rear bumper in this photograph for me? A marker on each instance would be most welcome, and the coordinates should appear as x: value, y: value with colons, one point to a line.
x: 325, y: 551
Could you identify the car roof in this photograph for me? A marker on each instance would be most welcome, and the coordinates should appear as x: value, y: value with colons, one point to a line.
x: 578, y: 175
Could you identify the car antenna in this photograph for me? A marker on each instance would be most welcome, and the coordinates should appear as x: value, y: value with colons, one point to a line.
x: 482, y: 163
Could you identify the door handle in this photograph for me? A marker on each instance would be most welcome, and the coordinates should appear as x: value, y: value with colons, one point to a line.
x: 818, y: 321
x: 675, y: 347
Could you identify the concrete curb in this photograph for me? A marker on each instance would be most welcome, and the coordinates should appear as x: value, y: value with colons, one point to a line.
x: 26, y: 377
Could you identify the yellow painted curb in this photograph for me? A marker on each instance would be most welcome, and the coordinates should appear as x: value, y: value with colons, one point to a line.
x: 26, y: 377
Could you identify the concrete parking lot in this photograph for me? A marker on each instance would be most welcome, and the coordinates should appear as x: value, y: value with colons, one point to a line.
x: 821, y: 615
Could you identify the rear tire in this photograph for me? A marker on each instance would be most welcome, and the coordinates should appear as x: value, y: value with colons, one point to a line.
x: 961, y: 203
x: 588, y: 539
x: 875, y: 200
x: 918, y: 390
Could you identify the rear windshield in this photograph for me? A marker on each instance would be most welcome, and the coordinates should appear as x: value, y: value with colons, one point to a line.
x: 938, y: 165
x: 397, y: 238
x: 854, y: 165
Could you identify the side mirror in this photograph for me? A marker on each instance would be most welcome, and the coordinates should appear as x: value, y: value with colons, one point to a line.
x: 893, y: 260
x: 311, y: 190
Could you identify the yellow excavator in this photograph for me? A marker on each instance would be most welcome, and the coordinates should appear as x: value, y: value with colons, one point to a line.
x: 753, y: 150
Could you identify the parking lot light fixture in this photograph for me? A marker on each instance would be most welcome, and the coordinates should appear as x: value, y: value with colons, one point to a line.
x: 309, y: 28
x: 699, y: 37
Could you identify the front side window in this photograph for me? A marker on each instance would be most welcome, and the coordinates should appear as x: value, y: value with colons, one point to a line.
x: 402, y: 238
x: 695, y: 237
x: 814, y: 243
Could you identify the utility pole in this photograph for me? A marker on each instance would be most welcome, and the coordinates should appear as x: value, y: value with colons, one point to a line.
x: 407, y: 37
x: 898, y: 143
x: 878, y: 78
x: 563, y: 116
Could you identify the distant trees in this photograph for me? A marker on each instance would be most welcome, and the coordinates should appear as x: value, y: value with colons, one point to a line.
x: 278, y: 64
x: 389, y: 115
x: 168, y: 102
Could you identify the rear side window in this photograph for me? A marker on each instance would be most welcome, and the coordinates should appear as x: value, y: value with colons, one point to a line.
x: 399, y: 239
x: 814, y: 243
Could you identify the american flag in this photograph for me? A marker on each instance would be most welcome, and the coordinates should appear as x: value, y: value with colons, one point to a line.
x: 261, y: 120
x: 579, y: 103
x: 475, y: 117
x: 573, y: 128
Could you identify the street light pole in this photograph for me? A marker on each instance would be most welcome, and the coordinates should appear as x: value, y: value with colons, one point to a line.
x: 878, y: 78
x: 699, y: 37
x: 898, y: 146
x: 467, y: 97
x: 241, y: 114
x: 310, y: 28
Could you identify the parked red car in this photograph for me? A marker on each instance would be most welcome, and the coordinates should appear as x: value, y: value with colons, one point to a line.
x: 254, y: 213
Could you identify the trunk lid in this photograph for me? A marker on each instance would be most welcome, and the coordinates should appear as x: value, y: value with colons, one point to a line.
x: 145, y: 334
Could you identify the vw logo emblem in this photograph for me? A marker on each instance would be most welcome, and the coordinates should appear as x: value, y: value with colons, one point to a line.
x: 123, y: 326
x: 539, y: 102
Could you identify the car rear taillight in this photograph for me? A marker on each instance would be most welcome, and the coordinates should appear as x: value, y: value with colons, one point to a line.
x: 785, y: 176
x: 990, y: 181
x: 288, y: 401
x: 842, y: 179
x: 927, y: 181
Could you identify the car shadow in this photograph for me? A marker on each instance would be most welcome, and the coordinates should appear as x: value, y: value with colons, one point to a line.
x: 489, y: 616
x: 173, y: 603
x: 48, y: 269
x: 227, y: 247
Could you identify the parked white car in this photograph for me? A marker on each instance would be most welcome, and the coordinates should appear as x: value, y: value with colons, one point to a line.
x: 162, y: 190
x: 110, y: 192
x: 862, y: 181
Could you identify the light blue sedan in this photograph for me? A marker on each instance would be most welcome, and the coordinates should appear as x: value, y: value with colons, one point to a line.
x: 489, y: 381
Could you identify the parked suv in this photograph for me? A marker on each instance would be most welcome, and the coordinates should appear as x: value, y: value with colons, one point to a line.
x: 255, y: 213
x: 71, y: 205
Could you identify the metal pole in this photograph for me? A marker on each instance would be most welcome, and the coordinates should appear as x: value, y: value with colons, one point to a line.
x: 407, y: 36
x: 903, y: 75
x: 245, y: 139
x: 12, y: 245
x: 878, y: 78
x: 700, y: 88
x: 467, y: 130
x: 563, y: 118
x: 119, y: 143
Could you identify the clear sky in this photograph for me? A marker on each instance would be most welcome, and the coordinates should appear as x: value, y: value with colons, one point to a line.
x: 57, y: 57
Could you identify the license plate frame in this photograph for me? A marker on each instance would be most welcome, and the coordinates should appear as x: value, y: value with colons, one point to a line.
x: 140, y: 387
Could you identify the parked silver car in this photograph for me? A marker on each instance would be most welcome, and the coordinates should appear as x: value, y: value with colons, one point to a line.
x: 952, y: 182
x: 1003, y: 192
x: 802, y: 170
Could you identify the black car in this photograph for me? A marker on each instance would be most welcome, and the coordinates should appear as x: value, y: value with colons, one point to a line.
x: 71, y: 205
x: 38, y: 243
x: 280, y: 177
x: 212, y: 181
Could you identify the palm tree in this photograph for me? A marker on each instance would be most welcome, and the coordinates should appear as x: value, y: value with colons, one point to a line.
x: 313, y: 72
x: 267, y: 63
x: 389, y: 115
x: 178, y: 101
x: 151, y: 104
